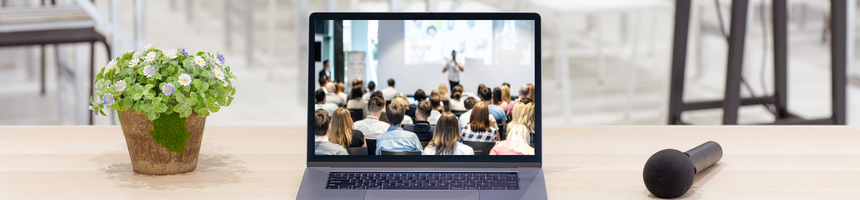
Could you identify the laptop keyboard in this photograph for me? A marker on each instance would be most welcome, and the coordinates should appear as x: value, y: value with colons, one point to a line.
x: 423, y: 181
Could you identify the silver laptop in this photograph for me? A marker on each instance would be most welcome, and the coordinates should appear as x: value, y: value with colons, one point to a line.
x: 405, y: 53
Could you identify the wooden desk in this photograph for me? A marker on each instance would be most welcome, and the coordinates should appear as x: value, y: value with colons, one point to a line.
x: 760, y: 162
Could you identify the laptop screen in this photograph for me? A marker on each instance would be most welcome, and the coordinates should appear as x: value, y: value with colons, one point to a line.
x: 424, y: 87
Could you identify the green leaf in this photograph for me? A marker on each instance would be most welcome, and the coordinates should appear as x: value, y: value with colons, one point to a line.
x: 179, y: 97
x: 152, y: 115
x: 127, y: 104
x: 191, y: 101
x: 146, y: 108
x: 229, y: 100
x: 186, y: 88
x: 160, y: 108
x: 200, y: 53
x: 202, y: 112
x: 215, y: 107
x: 210, y: 101
x: 221, y: 101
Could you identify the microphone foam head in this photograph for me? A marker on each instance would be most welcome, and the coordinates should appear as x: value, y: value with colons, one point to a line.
x: 668, y: 173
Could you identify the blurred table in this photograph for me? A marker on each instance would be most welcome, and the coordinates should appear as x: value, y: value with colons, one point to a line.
x: 759, y: 162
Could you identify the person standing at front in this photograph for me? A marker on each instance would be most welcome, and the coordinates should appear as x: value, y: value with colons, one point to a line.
x: 453, y: 68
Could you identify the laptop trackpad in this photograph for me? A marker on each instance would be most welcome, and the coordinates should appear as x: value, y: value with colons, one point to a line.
x: 422, y: 195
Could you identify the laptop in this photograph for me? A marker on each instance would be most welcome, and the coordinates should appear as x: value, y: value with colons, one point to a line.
x: 405, y: 52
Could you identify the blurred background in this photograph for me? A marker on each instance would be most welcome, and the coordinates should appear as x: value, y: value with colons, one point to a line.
x: 614, y: 55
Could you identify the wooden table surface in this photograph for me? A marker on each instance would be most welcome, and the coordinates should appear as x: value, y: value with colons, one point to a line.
x: 759, y: 162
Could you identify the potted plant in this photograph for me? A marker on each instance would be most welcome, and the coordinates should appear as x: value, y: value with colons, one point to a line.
x: 163, y: 98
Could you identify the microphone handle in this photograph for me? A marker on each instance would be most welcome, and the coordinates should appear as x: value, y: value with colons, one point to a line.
x: 705, y: 155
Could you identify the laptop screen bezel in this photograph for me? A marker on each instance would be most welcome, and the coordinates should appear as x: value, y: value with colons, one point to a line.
x: 423, y: 161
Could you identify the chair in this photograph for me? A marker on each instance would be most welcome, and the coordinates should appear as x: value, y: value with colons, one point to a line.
x: 52, y: 25
x: 458, y: 112
x: 371, y: 146
x: 447, y: 105
x: 355, y: 151
x: 503, y: 132
x: 424, y: 144
x: 400, y: 153
x: 356, y: 114
x: 480, y: 148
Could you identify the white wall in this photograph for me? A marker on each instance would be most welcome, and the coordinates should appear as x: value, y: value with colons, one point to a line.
x: 409, y: 78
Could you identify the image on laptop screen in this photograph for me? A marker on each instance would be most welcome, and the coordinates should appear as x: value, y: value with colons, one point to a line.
x: 423, y: 87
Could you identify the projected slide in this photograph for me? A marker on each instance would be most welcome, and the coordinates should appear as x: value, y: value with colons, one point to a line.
x: 431, y: 41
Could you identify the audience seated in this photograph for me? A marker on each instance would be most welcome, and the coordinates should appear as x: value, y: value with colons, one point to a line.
x: 331, y: 95
x: 524, y: 114
x: 497, y: 112
x: 389, y: 92
x: 457, y: 99
x: 371, y: 87
x: 516, y: 144
x: 523, y: 91
x: 436, y: 105
x: 401, y: 99
x: 443, y: 92
x: 446, y: 138
x: 505, y: 97
x: 419, y: 97
x: 371, y: 126
x: 395, y: 139
x: 341, y: 132
x: 480, y: 126
x: 378, y: 94
x: 339, y: 87
x: 480, y: 87
x: 422, y: 128
x: 320, y: 98
x: 322, y: 146
x: 469, y: 103
x: 355, y: 100
x: 323, y: 80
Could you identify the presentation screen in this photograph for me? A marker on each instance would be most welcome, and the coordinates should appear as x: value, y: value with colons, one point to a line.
x: 442, y: 88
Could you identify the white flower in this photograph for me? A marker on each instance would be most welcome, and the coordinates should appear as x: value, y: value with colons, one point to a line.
x: 184, y: 80
x: 134, y: 62
x: 150, y: 57
x: 218, y: 74
x: 170, y: 54
x: 143, y: 50
x: 120, y: 86
x: 111, y: 65
x: 199, y: 61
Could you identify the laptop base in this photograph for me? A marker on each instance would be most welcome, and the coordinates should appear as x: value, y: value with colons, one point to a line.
x: 531, y: 186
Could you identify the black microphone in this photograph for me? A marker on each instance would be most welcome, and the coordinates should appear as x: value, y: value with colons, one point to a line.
x: 669, y: 173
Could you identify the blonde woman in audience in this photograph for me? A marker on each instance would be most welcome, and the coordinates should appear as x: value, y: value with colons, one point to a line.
x: 401, y: 99
x: 506, y: 96
x: 523, y: 114
x: 443, y: 92
x: 516, y: 143
x: 341, y: 131
x: 322, y: 146
x: 340, y: 87
x: 446, y: 138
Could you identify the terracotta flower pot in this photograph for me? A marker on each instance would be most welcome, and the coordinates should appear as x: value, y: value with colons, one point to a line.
x: 150, y: 157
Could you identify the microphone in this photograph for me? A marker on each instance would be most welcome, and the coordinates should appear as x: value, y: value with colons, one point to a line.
x: 669, y: 173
